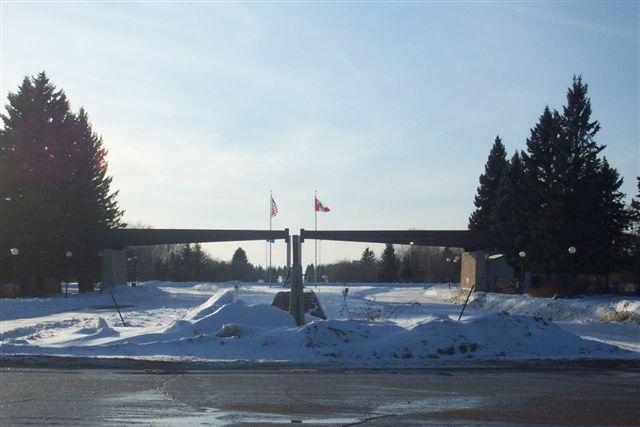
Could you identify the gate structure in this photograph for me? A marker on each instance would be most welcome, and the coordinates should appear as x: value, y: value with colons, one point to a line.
x: 475, y: 243
x: 114, y: 259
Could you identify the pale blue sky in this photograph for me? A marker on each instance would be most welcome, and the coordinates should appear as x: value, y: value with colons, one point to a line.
x: 388, y: 109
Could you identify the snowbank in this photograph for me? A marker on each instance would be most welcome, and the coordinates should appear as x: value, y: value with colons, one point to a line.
x: 591, y: 308
x: 236, y: 331
x: 20, y: 308
x: 219, y: 322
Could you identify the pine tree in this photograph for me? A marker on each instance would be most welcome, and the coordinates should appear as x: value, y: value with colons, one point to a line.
x: 240, y: 267
x: 368, y: 257
x: 572, y: 194
x: 511, y: 216
x: 389, y: 265
x: 54, y: 185
x: 309, y: 273
x: 485, y: 200
x: 90, y: 207
x: 590, y: 209
x: 369, y: 266
x: 411, y: 266
x: 540, y: 187
x: 633, y: 240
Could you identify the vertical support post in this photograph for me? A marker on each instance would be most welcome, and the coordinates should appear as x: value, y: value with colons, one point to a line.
x: 114, y: 268
x: 296, y: 299
x: 288, y: 274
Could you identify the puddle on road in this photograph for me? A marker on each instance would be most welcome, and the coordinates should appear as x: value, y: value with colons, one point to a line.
x: 154, y: 407
x: 432, y: 404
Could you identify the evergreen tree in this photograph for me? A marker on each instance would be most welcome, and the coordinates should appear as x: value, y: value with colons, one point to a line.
x: 369, y: 266
x: 540, y: 188
x: 389, y: 265
x: 309, y: 273
x: 585, y: 198
x: 54, y: 187
x: 570, y: 196
x: 485, y: 200
x: 633, y: 241
x: 411, y: 266
x: 512, y: 210
x: 368, y: 257
x: 240, y: 267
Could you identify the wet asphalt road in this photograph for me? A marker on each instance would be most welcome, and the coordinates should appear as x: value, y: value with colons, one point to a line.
x: 601, y: 396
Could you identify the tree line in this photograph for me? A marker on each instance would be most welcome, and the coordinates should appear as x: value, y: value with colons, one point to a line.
x: 560, y: 192
x: 409, y: 264
x: 189, y: 262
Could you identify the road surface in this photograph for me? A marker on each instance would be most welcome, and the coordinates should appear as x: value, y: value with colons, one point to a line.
x: 32, y: 395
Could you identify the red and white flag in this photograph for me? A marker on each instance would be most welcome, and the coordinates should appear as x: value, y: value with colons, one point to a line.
x: 274, y: 208
x: 320, y: 207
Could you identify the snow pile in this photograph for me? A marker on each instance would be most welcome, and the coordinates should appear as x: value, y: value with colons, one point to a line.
x: 592, y: 308
x: 493, y: 336
x: 216, y: 301
x: 623, y: 311
x: 261, y: 332
x: 373, y: 326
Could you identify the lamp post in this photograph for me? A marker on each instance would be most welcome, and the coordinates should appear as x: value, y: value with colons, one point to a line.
x: 455, y: 262
x: 522, y: 255
x: 14, y: 254
x: 135, y: 270
x: 68, y: 255
x: 572, y: 251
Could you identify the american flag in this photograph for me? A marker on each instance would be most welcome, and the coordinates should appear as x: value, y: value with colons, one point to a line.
x: 274, y: 208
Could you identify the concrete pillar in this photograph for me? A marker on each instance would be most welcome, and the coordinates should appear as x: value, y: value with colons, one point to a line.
x: 473, y: 270
x: 114, y: 268
x: 296, y: 300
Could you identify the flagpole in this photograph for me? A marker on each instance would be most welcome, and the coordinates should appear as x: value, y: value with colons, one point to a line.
x: 315, y: 265
x: 270, y: 222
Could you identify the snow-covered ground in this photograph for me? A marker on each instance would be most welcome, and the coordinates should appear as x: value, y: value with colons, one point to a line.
x: 376, y: 325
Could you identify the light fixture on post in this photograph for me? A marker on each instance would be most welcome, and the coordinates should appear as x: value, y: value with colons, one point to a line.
x: 522, y: 255
x: 572, y: 251
x: 14, y: 254
x: 68, y: 255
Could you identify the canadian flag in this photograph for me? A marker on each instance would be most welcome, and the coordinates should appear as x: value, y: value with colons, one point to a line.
x: 320, y: 207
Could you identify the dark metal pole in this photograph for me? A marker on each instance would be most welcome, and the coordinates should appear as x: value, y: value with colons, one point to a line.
x: 465, y: 303
x: 117, y: 308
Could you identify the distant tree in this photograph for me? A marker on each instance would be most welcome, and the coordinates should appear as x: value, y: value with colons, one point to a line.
x: 389, y: 265
x: 411, y: 266
x: 309, y: 273
x: 368, y: 257
x: 368, y: 266
x: 486, y: 197
x: 240, y: 267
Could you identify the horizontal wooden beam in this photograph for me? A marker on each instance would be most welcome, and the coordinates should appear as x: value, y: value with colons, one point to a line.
x: 120, y: 238
x: 466, y: 239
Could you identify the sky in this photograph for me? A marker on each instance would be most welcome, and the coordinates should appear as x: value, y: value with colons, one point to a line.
x: 389, y: 110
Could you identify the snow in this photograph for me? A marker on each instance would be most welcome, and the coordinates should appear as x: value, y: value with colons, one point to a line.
x: 376, y: 325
